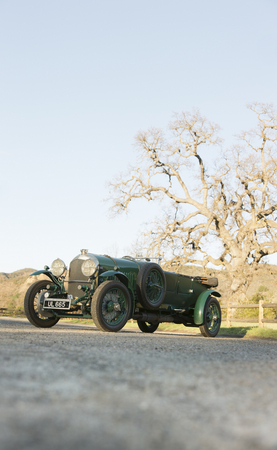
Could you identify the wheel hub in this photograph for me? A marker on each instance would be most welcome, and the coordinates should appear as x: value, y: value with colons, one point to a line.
x: 110, y: 306
x: 40, y: 309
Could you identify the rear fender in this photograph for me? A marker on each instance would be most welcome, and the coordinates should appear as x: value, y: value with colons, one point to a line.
x: 200, y: 305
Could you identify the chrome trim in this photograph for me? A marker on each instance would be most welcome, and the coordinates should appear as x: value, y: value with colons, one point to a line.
x: 113, y: 260
x: 78, y: 281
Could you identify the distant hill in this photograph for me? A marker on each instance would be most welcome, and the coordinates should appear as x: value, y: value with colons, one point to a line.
x: 13, y: 286
x: 16, y: 274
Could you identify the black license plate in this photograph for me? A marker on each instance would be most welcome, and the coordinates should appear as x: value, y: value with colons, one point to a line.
x: 56, y: 304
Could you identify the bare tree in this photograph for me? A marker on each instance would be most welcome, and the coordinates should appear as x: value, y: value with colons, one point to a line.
x: 219, y: 212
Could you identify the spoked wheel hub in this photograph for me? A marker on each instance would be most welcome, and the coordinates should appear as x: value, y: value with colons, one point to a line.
x: 33, y: 306
x: 111, y: 306
x: 212, y: 318
x: 151, y: 286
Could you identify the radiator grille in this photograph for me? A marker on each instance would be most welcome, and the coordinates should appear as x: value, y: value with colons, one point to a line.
x: 76, y: 278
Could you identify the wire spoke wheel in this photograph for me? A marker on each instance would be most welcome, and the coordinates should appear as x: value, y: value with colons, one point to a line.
x: 212, y: 318
x: 33, y: 306
x: 111, y: 306
x: 147, y: 327
x: 154, y: 287
x: 114, y: 307
x: 151, y: 286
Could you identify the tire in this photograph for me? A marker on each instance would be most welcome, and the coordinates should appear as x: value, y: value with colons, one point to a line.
x: 212, y: 318
x: 146, y: 327
x: 151, y: 286
x: 33, y: 309
x: 111, y: 306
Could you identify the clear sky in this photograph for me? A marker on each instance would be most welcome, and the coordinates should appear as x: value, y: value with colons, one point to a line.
x: 78, y: 80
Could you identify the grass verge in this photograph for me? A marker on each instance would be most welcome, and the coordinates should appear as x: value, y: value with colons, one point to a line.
x: 251, y: 332
x: 263, y: 333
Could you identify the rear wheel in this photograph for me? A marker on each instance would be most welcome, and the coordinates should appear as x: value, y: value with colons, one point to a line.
x: 146, y: 327
x: 212, y: 318
x: 111, y: 306
x: 33, y: 306
x: 151, y: 286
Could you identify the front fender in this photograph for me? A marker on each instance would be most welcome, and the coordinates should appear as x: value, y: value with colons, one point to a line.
x: 124, y: 279
x: 112, y: 273
x: 200, y: 305
x: 48, y: 274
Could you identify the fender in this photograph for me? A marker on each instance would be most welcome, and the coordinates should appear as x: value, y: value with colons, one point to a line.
x: 121, y: 277
x: 48, y: 274
x: 200, y: 305
x: 112, y: 273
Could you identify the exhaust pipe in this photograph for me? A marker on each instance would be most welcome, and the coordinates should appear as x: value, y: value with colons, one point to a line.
x: 152, y: 318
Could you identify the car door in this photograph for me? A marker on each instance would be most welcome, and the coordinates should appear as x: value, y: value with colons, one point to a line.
x: 184, y: 290
x: 178, y: 290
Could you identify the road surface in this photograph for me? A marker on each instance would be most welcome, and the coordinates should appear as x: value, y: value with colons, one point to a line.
x: 73, y: 387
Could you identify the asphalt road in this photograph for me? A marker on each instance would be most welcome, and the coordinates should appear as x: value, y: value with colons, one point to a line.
x: 73, y: 387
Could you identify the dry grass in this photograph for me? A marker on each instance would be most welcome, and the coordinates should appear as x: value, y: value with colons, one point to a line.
x: 246, y: 331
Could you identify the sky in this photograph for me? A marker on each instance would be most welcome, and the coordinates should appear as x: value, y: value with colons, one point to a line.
x: 79, y: 79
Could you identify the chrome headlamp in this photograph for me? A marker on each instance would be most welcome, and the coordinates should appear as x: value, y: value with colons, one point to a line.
x: 88, y: 268
x: 58, y: 267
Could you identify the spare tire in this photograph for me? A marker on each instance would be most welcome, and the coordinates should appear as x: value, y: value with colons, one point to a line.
x: 151, y: 286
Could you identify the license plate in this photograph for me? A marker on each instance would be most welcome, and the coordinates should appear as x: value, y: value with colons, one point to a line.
x: 56, y: 304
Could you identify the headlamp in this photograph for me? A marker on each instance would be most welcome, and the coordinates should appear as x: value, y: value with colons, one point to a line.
x: 58, y: 267
x: 88, y: 268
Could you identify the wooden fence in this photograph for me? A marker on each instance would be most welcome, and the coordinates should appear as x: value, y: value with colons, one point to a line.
x: 260, y: 320
x: 11, y: 312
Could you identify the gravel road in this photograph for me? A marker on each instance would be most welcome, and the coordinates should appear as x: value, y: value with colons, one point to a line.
x: 73, y: 387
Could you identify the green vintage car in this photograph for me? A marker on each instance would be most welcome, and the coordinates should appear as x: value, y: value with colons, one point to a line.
x: 111, y: 291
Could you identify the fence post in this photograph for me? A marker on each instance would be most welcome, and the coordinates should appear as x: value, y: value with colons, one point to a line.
x: 261, y: 313
x: 228, y: 318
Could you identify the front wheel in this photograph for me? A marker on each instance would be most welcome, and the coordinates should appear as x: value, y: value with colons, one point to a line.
x: 146, y: 327
x: 212, y: 318
x: 33, y: 306
x: 111, y: 306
